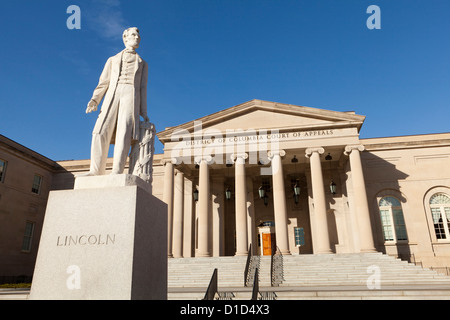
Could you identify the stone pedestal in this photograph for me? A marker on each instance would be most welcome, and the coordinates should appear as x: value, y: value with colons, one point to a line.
x: 106, y: 239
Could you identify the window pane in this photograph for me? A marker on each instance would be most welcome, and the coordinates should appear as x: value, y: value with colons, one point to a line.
x: 299, y: 236
x: 28, y: 234
x: 440, y: 198
x: 36, y: 184
x: 391, y: 205
x: 399, y: 222
x: 439, y: 219
x: 447, y: 213
x: 2, y: 169
x: 436, y: 214
x: 386, y: 223
x: 389, y: 202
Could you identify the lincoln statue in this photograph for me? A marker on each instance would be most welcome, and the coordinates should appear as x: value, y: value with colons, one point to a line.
x: 123, y: 85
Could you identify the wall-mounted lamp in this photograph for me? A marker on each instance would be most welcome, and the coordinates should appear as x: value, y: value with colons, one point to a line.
x: 261, y: 192
x: 332, y: 184
x: 228, y: 194
x: 195, y: 194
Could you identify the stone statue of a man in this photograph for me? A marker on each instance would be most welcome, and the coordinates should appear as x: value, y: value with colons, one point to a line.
x: 123, y: 84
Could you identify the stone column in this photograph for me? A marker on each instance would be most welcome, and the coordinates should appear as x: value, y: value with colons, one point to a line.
x: 217, y: 205
x: 322, y: 238
x: 251, y: 224
x: 360, y: 196
x: 241, y: 204
x: 203, y: 207
x: 188, y: 219
x: 168, y: 199
x: 279, y: 201
x: 178, y: 212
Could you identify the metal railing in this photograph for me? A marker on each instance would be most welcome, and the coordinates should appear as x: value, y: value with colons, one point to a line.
x: 255, y: 290
x: 247, y: 265
x: 276, y: 267
x: 411, y: 258
x: 212, y: 287
x: 442, y: 270
x: 251, y: 264
x: 263, y: 295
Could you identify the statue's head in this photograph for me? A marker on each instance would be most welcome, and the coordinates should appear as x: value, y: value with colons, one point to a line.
x: 131, y: 37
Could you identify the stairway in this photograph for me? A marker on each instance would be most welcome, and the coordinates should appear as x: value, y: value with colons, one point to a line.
x: 333, y: 276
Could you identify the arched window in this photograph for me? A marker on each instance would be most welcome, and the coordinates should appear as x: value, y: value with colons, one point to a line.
x: 392, y: 221
x: 440, y: 211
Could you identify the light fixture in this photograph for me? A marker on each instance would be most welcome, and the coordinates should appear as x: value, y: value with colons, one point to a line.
x: 296, y: 188
x: 332, y: 184
x: 195, y: 194
x: 261, y: 192
x: 294, y: 159
x: 333, y: 187
x: 228, y: 194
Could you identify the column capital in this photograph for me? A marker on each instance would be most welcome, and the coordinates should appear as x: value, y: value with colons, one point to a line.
x: 310, y: 151
x: 178, y: 172
x: 348, y: 149
x: 273, y: 153
x: 207, y: 158
x: 167, y: 161
x: 242, y: 155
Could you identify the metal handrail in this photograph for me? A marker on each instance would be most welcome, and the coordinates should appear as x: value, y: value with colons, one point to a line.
x: 275, y: 267
x: 212, y: 287
x: 247, y: 265
x: 255, y: 290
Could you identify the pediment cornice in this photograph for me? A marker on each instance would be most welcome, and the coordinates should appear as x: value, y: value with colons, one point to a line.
x: 330, y: 119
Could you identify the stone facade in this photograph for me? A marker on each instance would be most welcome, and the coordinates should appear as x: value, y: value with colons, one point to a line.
x: 390, y: 193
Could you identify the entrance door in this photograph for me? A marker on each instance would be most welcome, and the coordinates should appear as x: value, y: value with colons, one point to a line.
x: 268, y: 242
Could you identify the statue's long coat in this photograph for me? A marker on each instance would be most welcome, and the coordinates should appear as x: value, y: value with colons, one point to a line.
x: 107, y: 86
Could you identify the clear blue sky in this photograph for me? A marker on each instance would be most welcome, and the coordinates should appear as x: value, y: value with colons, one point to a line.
x: 208, y: 55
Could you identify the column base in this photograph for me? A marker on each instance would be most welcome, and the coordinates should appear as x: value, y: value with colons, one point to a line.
x: 203, y: 255
x: 368, y: 250
x: 324, y: 252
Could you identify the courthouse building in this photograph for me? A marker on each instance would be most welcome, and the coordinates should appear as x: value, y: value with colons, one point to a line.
x: 296, y: 178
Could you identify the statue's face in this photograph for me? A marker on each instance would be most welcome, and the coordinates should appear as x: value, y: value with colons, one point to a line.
x: 132, y: 39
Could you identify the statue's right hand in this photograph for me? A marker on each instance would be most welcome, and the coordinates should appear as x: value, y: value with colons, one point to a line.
x: 91, y: 106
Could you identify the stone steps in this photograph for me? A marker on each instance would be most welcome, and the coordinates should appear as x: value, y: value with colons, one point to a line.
x: 310, y: 277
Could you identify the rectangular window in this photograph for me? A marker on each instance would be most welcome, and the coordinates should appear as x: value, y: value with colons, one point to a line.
x: 438, y: 223
x: 399, y: 223
x: 27, y: 237
x: 36, y: 184
x: 2, y: 170
x: 299, y: 236
x: 387, y: 226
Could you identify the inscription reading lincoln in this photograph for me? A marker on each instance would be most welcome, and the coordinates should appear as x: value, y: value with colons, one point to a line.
x: 85, y: 240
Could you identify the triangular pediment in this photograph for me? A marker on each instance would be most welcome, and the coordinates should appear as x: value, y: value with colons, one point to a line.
x: 259, y: 114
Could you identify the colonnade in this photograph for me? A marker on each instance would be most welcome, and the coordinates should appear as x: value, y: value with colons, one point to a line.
x: 174, y: 193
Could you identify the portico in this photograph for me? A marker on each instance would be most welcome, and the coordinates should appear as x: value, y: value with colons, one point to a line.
x: 216, y: 166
